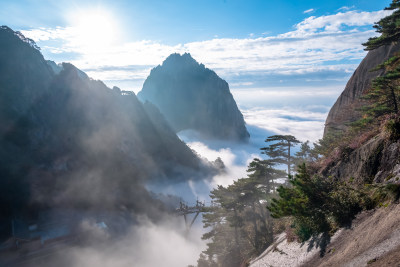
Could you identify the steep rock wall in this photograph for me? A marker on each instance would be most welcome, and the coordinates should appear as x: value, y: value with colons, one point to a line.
x: 377, y: 161
x: 345, y: 110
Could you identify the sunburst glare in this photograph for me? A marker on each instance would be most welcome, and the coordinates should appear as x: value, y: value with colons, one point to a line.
x: 95, y: 29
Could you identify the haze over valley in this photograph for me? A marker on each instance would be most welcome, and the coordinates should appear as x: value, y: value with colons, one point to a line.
x: 208, y: 134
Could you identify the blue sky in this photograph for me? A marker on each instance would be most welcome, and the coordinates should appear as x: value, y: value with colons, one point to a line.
x: 285, y: 60
x: 178, y: 21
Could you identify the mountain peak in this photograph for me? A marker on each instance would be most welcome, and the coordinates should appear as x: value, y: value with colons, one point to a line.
x: 5, y: 30
x: 176, y: 57
x: 181, y: 62
x: 193, y: 97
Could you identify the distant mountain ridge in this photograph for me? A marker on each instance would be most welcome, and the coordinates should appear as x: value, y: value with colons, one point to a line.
x: 68, y: 140
x: 192, y: 96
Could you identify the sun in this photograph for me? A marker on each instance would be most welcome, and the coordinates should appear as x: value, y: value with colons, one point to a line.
x: 95, y: 29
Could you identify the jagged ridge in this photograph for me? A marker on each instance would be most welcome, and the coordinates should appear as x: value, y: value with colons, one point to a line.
x: 194, y: 97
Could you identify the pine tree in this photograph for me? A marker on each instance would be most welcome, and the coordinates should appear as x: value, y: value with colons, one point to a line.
x: 316, y: 204
x: 305, y: 154
x: 265, y: 173
x: 383, y: 96
x: 306, y: 201
x: 280, y: 150
x: 224, y: 219
x: 388, y: 27
x: 240, y: 224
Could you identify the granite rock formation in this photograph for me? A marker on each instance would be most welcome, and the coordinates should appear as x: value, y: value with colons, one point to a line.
x: 346, y: 108
x: 191, y: 96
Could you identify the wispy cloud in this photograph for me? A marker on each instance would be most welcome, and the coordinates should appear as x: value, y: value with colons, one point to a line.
x: 311, y: 10
x: 346, y: 8
x: 325, y: 43
x: 336, y: 23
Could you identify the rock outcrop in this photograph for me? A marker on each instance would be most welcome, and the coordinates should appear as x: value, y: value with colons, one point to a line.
x: 191, y: 96
x: 346, y: 108
x: 376, y: 161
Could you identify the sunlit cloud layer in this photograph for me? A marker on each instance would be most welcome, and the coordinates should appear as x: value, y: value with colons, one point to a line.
x: 304, y: 124
x: 325, y: 43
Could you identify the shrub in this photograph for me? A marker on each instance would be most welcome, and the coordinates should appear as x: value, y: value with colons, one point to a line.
x: 318, y: 205
x: 392, y: 128
x: 345, y: 202
x: 380, y: 194
x: 291, y: 236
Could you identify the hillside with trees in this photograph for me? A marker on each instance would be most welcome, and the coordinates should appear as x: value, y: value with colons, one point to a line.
x: 353, y: 172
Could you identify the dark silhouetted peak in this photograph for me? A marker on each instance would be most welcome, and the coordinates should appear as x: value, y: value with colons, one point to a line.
x: 4, y: 30
x: 117, y: 90
x: 64, y: 135
x: 193, y: 97
x: 181, y: 61
x: 24, y: 75
x: 57, y: 68
x: 68, y: 67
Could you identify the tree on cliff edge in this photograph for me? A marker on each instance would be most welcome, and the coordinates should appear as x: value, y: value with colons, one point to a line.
x: 388, y: 27
x: 385, y: 90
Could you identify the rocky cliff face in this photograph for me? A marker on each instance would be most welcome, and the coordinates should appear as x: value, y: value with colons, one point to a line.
x: 345, y: 110
x: 376, y: 161
x: 191, y: 96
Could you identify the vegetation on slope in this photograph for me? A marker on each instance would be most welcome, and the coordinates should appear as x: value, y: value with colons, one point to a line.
x: 313, y: 202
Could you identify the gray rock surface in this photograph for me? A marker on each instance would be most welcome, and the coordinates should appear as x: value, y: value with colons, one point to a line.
x: 376, y: 161
x: 193, y: 97
x: 345, y: 109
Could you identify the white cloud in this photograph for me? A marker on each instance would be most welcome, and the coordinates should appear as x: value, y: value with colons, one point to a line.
x: 146, y: 244
x: 345, y: 8
x: 229, y: 153
x: 333, y: 23
x: 316, y: 43
x: 311, y: 10
x: 240, y: 84
x: 324, y: 44
x: 304, y: 124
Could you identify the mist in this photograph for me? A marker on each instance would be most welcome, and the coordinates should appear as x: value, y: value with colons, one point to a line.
x: 145, y: 244
x: 77, y: 159
x: 94, y: 176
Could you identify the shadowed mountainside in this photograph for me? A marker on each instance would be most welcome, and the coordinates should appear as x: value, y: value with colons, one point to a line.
x: 69, y: 141
x: 193, y: 97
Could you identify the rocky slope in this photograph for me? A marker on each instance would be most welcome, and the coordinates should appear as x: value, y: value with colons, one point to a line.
x: 345, y: 109
x: 372, y: 240
x: 376, y: 161
x: 194, y: 97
